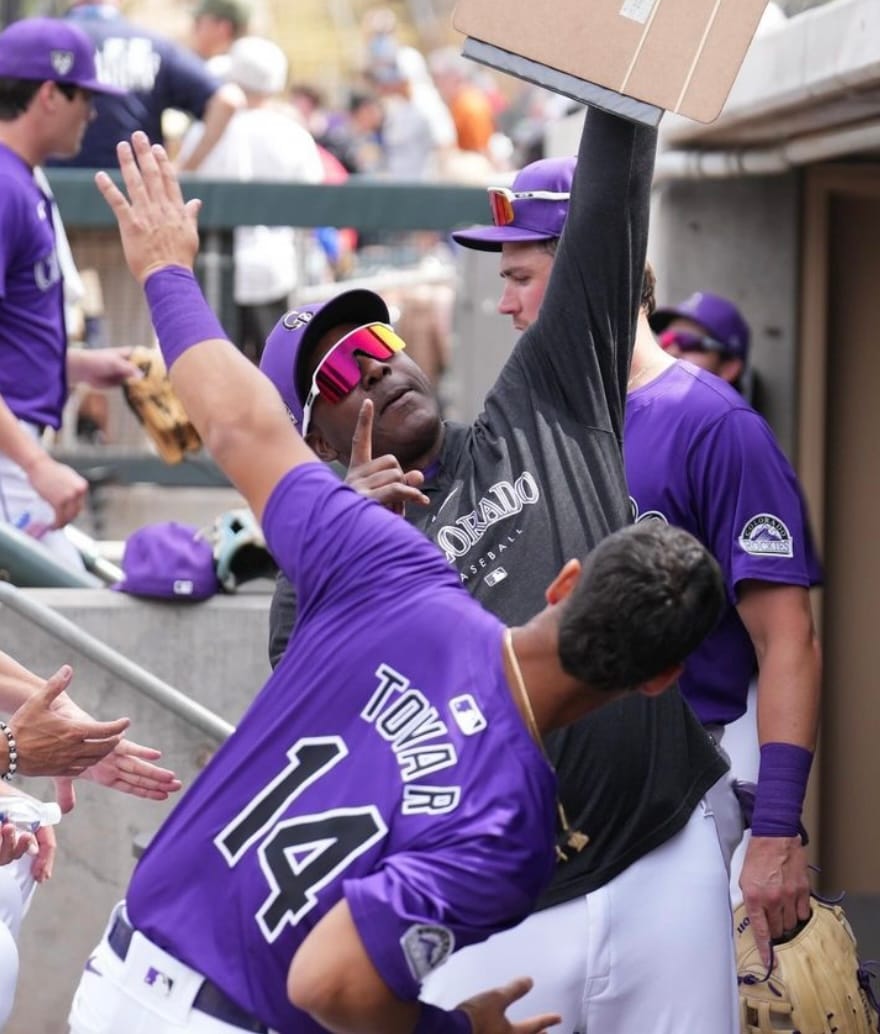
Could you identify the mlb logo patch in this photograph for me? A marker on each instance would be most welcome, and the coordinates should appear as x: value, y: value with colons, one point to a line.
x: 468, y: 716
x: 62, y: 61
x: 159, y: 981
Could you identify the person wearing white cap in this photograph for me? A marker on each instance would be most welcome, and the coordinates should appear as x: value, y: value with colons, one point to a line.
x: 262, y: 142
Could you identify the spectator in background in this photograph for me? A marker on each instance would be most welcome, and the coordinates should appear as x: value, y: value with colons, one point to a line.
x: 263, y: 141
x: 217, y: 24
x: 468, y: 104
x: 356, y: 142
x: 710, y: 332
x: 157, y: 74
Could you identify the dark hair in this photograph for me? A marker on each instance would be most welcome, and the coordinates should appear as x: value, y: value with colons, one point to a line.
x: 648, y: 595
x: 16, y: 96
x: 648, y: 301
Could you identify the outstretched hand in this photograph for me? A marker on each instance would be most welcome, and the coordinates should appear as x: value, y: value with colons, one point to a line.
x: 50, y: 742
x: 158, y: 229
x: 383, y: 478
x: 487, y: 1011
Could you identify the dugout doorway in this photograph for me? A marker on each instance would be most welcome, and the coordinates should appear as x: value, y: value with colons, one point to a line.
x: 839, y: 461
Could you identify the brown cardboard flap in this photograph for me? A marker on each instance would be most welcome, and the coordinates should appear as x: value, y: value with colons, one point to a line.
x: 681, y: 55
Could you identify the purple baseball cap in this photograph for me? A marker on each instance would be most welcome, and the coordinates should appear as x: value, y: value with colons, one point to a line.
x: 534, y: 219
x: 298, y: 331
x: 168, y: 561
x: 50, y: 49
x: 718, y: 316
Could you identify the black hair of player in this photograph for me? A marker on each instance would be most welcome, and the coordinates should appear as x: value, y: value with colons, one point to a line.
x: 647, y: 596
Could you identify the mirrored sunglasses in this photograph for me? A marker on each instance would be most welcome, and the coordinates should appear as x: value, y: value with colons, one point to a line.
x: 501, y: 201
x: 339, y: 373
x: 689, y: 341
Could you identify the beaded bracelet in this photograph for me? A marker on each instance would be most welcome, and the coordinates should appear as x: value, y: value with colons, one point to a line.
x: 12, y: 753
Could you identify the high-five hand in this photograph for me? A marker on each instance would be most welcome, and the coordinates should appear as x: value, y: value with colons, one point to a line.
x: 487, y: 1011
x: 157, y: 227
x: 383, y: 478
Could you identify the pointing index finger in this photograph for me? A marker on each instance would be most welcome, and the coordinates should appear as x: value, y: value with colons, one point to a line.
x: 362, y: 439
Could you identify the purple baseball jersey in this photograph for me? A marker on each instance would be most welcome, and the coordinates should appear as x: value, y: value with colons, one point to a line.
x: 33, y: 379
x: 384, y: 762
x: 699, y: 457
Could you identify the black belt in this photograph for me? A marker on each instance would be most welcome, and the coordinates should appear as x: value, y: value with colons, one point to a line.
x: 210, y: 999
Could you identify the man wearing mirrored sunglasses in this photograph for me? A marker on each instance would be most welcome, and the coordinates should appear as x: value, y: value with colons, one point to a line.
x: 697, y: 455
x: 710, y: 332
x: 357, y: 827
x: 537, y: 477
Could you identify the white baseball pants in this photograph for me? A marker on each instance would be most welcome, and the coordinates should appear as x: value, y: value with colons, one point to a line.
x: 651, y: 952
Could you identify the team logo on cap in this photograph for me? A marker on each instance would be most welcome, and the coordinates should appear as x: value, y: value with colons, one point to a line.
x: 295, y: 319
x: 425, y: 947
x: 766, y: 535
x: 62, y: 61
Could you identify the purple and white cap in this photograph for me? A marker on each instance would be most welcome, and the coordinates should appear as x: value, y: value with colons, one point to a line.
x: 168, y: 561
x: 299, y: 330
x: 718, y: 316
x: 534, y: 219
x: 53, y: 50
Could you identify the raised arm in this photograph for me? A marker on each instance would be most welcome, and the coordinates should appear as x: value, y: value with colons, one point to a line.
x: 237, y: 411
x: 581, y: 343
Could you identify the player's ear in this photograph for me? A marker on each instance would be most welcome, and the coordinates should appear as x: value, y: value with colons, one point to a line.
x: 661, y: 682
x: 564, y: 582
x: 731, y: 369
x: 321, y: 447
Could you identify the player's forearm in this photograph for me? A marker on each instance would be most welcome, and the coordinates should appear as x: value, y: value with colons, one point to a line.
x: 17, y: 683
x: 789, y: 680
x: 15, y: 442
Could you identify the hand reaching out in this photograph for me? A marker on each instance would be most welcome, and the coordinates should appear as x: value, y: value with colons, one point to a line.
x: 383, y: 478
x: 52, y: 743
x: 487, y: 1011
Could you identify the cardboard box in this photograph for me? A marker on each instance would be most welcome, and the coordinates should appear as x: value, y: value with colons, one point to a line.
x: 678, y: 55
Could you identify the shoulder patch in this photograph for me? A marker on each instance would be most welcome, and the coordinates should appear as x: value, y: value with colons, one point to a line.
x: 426, y: 946
x: 766, y: 535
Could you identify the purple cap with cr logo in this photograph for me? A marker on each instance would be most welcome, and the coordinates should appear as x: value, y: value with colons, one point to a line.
x: 298, y: 331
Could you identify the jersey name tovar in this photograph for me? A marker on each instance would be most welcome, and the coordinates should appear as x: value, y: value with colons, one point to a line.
x: 418, y: 736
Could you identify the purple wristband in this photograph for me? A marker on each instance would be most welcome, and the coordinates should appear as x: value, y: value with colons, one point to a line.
x: 181, y: 316
x: 438, y: 1021
x: 782, y: 783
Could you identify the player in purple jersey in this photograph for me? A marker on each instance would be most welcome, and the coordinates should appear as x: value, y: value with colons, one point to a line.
x: 536, y: 477
x: 47, y: 81
x: 358, y: 827
x: 737, y: 493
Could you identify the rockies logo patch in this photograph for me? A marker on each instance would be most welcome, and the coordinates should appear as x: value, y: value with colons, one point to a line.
x: 62, y: 61
x: 766, y: 535
x: 425, y: 947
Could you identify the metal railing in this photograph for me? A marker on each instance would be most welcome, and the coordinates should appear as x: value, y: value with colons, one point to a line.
x: 117, y: 664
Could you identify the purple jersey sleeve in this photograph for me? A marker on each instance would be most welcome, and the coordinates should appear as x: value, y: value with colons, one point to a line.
x: 759, y: 529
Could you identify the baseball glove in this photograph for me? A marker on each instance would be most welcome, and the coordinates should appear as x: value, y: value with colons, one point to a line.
x: 154, y: 403
x: 817, y: 984
x: 240, y: 551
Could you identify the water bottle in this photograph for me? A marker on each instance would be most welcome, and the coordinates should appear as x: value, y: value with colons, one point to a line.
x: 28, y: 815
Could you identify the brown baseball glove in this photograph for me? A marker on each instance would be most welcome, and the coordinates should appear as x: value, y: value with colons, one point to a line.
x: 157, y: 407
x: 817, y: 984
